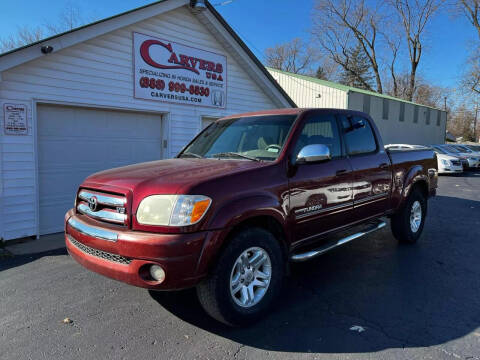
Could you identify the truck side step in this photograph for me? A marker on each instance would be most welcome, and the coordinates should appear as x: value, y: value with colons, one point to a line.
x: 313, y: 253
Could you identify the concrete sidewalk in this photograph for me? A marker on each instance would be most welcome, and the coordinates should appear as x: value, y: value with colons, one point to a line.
x: 45, y: 243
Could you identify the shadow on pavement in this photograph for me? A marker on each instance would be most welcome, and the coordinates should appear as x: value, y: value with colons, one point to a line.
x: 19, y: 260
x: 402, y: 295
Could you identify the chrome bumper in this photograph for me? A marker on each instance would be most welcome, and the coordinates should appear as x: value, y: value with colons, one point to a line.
x: 92, y: 231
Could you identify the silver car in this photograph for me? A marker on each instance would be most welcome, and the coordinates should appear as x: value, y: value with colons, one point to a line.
x: 472, y: 158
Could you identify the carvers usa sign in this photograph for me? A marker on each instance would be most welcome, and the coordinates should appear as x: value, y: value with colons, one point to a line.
x: 172, y: 72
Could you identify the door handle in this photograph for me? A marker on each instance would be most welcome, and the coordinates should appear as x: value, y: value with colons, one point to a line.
x: 383, y: 166
x: 341, y: 172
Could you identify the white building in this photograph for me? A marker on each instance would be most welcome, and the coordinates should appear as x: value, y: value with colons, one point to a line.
x: 100, y: 96
x: 399, y: 121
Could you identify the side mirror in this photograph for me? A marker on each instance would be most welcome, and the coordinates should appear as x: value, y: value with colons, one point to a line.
x: 313, y: 153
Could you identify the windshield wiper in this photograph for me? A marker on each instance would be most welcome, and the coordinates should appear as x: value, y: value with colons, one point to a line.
x: 192, y: 155
x: 230, y: 154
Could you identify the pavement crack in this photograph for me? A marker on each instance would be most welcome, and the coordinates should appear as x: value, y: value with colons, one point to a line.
x: 238, y: 350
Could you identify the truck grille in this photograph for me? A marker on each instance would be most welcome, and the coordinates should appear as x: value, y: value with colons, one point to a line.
x: 103, y: 206
x: 99, y: 253
x: 455, y: 162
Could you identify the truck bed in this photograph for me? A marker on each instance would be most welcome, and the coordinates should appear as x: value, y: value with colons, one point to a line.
x: 414, y: 162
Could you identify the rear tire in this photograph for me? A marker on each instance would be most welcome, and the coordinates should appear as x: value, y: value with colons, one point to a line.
x: 407, y: 224
x: 225, y: 294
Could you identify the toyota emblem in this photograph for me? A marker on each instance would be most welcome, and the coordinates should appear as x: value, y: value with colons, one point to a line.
x: 92, y: 203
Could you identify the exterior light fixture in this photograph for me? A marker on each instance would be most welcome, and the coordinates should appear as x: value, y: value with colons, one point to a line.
x: 198, y: 5
x: 46, y: 49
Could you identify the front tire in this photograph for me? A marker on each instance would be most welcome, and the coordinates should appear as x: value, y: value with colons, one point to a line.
x: 407, y: 224
x: 246, y: 279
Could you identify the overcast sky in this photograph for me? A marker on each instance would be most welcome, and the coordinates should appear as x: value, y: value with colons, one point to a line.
x: 263, y: 23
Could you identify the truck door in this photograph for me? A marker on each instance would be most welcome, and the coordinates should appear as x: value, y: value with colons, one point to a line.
x: 372, y: 173
x: 320, y: 193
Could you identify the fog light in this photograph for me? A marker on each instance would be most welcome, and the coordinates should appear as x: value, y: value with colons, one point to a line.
x: 157, y: 273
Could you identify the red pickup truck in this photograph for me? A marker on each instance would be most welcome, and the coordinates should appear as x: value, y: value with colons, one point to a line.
x: 248, y: 195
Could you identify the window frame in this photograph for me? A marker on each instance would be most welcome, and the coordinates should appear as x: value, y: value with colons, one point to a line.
x: 401, y: 112
x: 385, y: 108
x: 415, y: 114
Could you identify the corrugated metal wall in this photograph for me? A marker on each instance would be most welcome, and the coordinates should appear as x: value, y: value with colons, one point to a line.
x: 308, y: 94
x: 401, y: 122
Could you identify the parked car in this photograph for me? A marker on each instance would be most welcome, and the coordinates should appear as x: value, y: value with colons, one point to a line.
x: 472, y: 158
x: 473, y: 147
x: 466, y: 150
x: 447, y: 164
x: 441, y: 148
x: 249, y: 194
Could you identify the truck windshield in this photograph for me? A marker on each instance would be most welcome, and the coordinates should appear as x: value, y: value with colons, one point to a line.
x: 249, y: 138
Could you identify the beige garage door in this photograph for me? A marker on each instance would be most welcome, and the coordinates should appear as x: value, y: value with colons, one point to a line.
x: 76, y: 142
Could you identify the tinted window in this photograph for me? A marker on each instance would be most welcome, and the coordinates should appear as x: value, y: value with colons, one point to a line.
x: 320, y: 130
x: 358, y: 136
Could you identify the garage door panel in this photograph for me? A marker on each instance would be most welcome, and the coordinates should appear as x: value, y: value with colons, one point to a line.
x: 74, y: 143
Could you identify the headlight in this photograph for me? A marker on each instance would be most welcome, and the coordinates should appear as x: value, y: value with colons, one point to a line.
x: 172, y: 210
x: 445, y: 162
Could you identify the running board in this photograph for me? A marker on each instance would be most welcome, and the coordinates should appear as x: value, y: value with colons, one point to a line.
x: 313, y: 253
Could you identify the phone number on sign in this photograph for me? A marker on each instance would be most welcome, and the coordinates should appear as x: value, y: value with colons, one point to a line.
x: 173, y: 86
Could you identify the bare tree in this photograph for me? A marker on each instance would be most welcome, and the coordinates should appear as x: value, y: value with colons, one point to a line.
x: 293, y: 56
x: 429, y: 95
x: 24, y: 36
x: 69, y: 18
x: 340, y: 24
x: 471, y: 78
x: 462, y: 122
x: 471, y: 8
x: 414, y: 16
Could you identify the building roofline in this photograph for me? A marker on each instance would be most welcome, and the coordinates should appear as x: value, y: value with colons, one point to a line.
x: 80, y: 28
x: 347, y: 89
x: 33, y: 53
x: 250, y: 53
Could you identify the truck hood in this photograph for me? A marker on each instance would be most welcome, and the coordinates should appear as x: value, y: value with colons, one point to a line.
x: 168, y: 176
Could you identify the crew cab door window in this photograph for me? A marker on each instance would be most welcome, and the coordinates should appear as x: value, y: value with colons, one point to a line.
x: 358, y: 136
x: 320, y: 130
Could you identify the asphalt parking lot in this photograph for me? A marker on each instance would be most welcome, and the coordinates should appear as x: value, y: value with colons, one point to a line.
x: 370, y: 299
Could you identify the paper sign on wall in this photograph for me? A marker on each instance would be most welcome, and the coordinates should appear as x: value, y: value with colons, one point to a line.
x: 15, y: 119
x: 172, y: 72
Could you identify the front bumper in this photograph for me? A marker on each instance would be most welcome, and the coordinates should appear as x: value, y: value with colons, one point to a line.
x: 126, y: 255
x: 450, y: 170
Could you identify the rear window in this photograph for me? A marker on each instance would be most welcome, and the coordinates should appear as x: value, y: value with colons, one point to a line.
x: 358, y: 135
